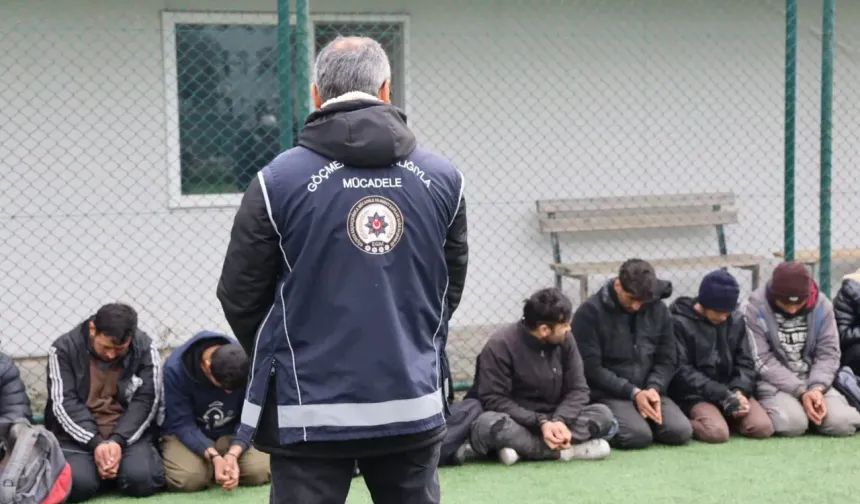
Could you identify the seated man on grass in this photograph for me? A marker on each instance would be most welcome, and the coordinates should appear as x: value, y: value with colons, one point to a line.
x: 715, y: 381
x: 204, y: 387
x: 530, y: 382
x: 795, y: 344
x: 104, y: 384
x: 626, y: 336
x: 847, y: 307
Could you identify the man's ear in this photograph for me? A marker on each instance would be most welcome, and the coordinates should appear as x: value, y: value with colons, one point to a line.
x: 384, y: 93
x: 315, y: 94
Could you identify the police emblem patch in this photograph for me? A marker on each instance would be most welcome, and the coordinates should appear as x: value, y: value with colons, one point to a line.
x: 375, y: 225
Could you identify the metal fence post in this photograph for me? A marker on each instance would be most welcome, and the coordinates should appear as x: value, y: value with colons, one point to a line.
x: 285, y: 73
x: 828, y: 27
x: 303, y: 73
x: 790, y: 102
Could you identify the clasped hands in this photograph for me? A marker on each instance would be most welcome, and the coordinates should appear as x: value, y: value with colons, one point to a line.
x: 814, y: 405
x: 648, y: 403
x: 556, y: 435
x: 736, y: 404
x: 107, y: 456
x: 226, y: 469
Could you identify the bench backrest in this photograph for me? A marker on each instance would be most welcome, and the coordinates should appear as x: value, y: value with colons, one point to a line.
x: 636, y: 212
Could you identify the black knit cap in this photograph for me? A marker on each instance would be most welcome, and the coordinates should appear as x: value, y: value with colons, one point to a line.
x: 719, y: 291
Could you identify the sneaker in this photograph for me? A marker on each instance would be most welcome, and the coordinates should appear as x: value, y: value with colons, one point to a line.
x: 464, y: 452
x: 590, y: 450
x: 508, y: 456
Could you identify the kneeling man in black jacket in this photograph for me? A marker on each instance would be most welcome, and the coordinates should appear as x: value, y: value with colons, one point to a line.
x: 626, y: 338
x: 715, y: 381
x: 530, y: 382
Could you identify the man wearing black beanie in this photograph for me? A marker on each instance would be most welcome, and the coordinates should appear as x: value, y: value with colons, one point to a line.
x: 795, y: 344
x: 715, y: 382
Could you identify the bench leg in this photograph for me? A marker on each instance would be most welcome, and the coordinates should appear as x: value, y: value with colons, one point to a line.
x: 813, y: 268
x: 755, y: 271
x: 583, y: 288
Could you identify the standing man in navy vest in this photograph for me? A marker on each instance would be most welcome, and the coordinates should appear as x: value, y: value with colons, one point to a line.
x: 346, y: 259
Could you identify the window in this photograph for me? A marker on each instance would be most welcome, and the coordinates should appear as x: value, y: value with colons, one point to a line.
x: 223, y: 95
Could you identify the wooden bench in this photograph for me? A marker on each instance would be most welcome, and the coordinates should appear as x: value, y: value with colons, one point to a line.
x: 642, y: 212
x: 812, y: 257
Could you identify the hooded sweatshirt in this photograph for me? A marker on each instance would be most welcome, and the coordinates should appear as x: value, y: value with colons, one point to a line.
x: 342, y: 277
x: 197, y: 411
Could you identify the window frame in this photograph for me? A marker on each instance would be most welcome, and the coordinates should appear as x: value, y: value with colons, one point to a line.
x: 169, y: 19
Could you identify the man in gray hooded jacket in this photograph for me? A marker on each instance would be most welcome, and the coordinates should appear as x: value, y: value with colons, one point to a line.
x: 795, y: 344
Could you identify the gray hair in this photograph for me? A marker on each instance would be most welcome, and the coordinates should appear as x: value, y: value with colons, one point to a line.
x: 349, y: 64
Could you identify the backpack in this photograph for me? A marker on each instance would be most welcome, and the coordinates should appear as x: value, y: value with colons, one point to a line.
x: 36, y: 471
x: 847, y: 383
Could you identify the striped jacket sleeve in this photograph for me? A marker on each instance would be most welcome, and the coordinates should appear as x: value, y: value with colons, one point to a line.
x: 145, y: 399
x: 67, y: 406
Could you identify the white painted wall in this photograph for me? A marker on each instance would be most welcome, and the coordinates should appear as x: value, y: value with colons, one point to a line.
x: 531, y: 100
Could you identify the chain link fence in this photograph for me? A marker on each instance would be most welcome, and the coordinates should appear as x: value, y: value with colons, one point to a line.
x: 588, y: 132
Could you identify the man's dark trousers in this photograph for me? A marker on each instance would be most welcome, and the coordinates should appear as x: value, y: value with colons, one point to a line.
x: 141, y: 471
x: 401, y: 478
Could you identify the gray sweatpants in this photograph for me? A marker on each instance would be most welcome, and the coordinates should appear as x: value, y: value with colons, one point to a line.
x: 789, y: 418
x: 493, y: 431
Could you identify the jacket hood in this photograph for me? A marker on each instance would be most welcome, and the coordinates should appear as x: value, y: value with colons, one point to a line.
x: 360, y: 131
x: 663, y: 290
x: 851, y: 286
x: 812, y: 300
x: 684, y: 307
x: 202, y: 335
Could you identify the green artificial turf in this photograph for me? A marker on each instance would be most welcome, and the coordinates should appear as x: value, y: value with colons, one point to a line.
x: 775, y: 471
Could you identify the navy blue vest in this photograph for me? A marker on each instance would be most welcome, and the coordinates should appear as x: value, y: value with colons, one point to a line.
x: 353, y: 337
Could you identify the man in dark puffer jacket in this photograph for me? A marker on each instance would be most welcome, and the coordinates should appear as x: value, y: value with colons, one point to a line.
x: 14, y: 403
x: 846, y: 306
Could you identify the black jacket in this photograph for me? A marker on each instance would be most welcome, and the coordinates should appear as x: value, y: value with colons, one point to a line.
x: 140, y: 389
x: 530, y: 380
x: 846, y: 305
x: 254, y: 263
x: 623, y: 351
x: 712, y: 360
x: 14, y: 402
